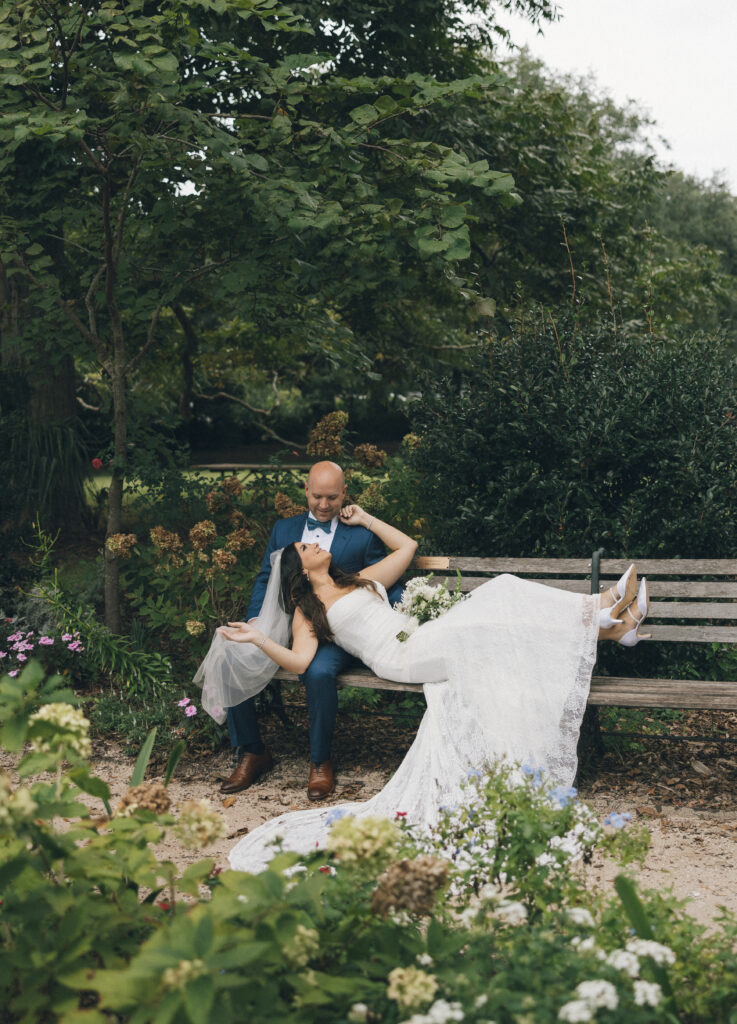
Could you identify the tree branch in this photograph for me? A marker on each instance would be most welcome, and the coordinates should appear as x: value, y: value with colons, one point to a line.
x: 124, y: 207
x: 206, y: 269
x: 252, y: 408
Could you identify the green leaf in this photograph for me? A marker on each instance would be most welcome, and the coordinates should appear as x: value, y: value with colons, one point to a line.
x: 452, y: 216
x: 432, y: 245
x: 14, y: 733
x: 257, y: 161
x: 139, y: 769
x: 91, y: 784
x: 174, y: 757
x: 364, y: 114
x: 198, y: 999
x: 640, y: 922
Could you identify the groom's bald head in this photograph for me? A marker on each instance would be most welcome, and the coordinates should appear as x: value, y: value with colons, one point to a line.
x: 325, y: 490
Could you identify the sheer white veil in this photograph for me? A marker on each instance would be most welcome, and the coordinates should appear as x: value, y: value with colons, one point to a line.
x: 233, y: 672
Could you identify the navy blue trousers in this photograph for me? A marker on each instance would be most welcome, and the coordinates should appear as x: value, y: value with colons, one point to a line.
x: 322, y: 705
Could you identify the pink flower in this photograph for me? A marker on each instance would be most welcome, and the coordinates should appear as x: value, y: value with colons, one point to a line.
x: 183, y: 703
x: 401, y: 814
x: 191, y: 710
x: 67, y: 637
x: 22, y: 657
x: 97, y: 463
x: 14, y: 637
x: 14, y: 672
x: 76, y: 647
x: 46, y: 640
x: 3, y: 654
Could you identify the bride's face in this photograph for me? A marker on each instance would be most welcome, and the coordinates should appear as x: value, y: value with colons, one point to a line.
x: 312, y: 556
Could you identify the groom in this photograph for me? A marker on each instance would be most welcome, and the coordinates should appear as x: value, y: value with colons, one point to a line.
x: 352, y: 548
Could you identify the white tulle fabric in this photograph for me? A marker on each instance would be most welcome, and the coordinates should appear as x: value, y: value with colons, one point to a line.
x: 506, y: 673
x: 233, y: 672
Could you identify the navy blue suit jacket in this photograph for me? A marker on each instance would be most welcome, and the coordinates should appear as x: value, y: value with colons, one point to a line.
x: 353, y: 548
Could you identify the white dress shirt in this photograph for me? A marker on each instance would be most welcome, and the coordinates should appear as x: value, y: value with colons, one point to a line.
x: 323, y: 538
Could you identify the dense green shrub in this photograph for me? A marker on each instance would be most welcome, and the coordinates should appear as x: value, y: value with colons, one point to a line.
x: 560, y: 440
x: 487, y: 917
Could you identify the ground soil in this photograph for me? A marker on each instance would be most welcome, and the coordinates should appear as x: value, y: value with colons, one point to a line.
x: 683, y: 790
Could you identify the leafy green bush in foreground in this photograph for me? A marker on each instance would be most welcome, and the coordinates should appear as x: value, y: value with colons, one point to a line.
x: 95, y: 928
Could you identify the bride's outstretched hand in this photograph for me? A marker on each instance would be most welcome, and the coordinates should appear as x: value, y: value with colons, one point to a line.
x: 241, y: 632
x: 354, y: 515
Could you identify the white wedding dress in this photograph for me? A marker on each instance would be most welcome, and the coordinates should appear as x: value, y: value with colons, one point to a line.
x: 506, y: 673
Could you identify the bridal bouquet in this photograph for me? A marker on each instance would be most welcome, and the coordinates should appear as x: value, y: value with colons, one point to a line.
x: 423, y: 601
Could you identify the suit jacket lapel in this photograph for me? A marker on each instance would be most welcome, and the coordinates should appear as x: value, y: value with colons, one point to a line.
x: 340, y: 542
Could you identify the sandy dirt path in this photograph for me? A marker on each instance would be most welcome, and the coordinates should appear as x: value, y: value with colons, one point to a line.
x: 684, y: 792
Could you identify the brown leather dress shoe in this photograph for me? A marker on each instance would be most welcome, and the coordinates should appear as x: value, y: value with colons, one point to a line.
x: 248, y: 769
x: 322, y: 780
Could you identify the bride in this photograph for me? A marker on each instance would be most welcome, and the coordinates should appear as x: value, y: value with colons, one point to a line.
x: 506, y: 673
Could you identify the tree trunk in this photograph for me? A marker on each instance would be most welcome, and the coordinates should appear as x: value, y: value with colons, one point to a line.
x: 44, y: 436
x: 115, y: 496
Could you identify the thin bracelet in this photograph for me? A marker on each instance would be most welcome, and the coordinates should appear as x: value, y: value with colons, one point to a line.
x: 371, y: 523
x: 264, y: 638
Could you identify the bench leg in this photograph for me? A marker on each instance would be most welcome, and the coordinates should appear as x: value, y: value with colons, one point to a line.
x: 590, y: 742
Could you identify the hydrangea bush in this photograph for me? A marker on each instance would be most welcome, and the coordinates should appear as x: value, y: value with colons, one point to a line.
x: 487, y: 917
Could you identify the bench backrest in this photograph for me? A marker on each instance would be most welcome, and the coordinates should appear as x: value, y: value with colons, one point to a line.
x: 690, y: 599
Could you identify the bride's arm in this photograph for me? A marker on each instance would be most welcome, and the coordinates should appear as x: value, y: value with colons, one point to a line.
x: 403, y: 548
x: 304, y: 642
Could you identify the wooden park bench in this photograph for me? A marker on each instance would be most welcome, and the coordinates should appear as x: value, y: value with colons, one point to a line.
x: 691, y: 601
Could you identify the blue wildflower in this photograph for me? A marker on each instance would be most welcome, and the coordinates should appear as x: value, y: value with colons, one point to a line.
x: 617, y: 820
x: 335, y: 815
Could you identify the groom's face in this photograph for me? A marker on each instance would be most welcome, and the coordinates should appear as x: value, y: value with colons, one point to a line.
x: 325, y: 491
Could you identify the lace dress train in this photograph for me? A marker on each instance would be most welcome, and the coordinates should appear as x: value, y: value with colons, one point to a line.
x: 506, y: 673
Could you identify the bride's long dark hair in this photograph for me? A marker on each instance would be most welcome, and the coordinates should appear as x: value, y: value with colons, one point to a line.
x: 297, y: 592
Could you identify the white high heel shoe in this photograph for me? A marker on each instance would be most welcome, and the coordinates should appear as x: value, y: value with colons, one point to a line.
x: 631, y: 638
x: 623, y: 593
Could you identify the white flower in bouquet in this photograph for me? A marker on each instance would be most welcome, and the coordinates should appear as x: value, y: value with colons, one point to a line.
x: 423, y: 601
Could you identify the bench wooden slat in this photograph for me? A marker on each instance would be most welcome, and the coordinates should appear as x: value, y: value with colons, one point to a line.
x: 470, y: 583
x: 582, y: 566
x: 688, y: 610
x: 606, y: 691
x: 520, y: 566
x: 685, y: 588
x: 359, y: 677
x: 672, y: 566
x: 663, y: 693
x: 693, y: 634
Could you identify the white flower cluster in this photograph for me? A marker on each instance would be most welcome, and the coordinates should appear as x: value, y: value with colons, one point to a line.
x: 72, y: 729
x: 409, y: 986
x: 354, y: 839
x: 441, y: 1012
x: 648, y: 993
x: 511, y: 912
x: 599, y: 993
x: 199, y: 825
x: 15, y: 804
x: 423, y: 601
x: 186, y: 970
x: 571, y: 846
x: 592, y: 995
x: 581, y: 916
x: 303, y: 945
x: 655, y: 950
